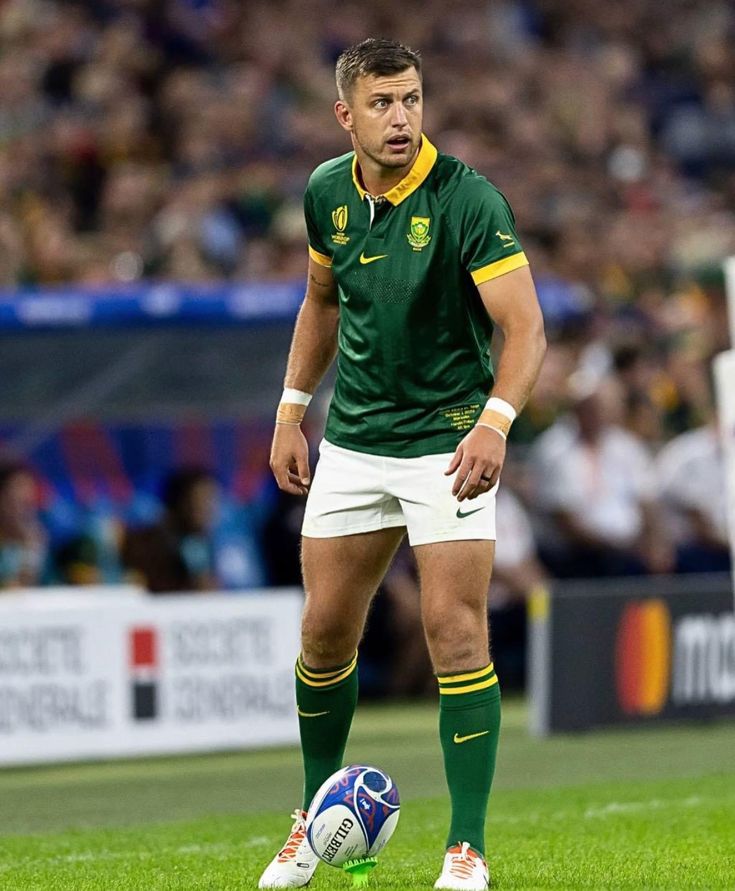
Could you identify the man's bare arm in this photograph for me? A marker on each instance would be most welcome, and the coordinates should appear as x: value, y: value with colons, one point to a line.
x: 511, y: 303
x: 314, y: 341
x: 313, y: 348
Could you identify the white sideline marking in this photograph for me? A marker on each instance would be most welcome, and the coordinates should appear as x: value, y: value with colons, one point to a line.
x: 630, y: 807
x: 610, y: 809
x: 99, y: 856
x: 258, y: 841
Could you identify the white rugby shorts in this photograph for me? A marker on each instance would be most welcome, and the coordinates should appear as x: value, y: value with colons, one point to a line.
x: 355, y: 492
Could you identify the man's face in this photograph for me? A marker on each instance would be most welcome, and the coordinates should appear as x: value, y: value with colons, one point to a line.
x: 384, y: 114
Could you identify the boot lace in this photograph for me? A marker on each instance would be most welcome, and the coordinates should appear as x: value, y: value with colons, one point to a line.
x: 462, y: 864
x: 296, y: 836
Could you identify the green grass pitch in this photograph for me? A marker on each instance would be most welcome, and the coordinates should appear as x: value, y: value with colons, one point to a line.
x: 637, y: 809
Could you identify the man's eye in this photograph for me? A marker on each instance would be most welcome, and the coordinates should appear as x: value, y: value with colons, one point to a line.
x: 381, y: 103
x: 412, y: 100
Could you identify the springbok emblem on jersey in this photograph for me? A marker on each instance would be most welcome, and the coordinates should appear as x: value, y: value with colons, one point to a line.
x: 418, y: 236
x: 339, y: 218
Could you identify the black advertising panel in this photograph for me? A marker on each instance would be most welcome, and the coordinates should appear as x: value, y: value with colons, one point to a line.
x: 633, y: 651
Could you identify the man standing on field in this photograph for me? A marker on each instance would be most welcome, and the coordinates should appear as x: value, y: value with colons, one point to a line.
x: 413, y: 257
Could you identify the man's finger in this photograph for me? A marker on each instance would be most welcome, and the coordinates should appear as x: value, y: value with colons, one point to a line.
x: 465, y: 469
x: 292, y: 488
x: 455, y: 462
x: 295, y: 480
x: 473, y: 485
x: 285, y: 483
x: 483, y: 485
x: 302, y: 468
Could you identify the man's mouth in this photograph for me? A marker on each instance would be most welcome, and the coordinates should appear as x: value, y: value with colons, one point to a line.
x: 399, y: 143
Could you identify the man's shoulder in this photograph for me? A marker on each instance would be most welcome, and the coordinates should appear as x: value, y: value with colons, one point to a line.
x: 331, y: 174
x: 455, y: 181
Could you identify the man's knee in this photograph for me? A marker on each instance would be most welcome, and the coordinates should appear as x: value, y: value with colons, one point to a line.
x: 457, y: 637
x: 327, y: 639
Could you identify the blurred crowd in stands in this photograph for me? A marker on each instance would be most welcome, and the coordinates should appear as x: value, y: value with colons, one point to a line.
x: 172, y: 139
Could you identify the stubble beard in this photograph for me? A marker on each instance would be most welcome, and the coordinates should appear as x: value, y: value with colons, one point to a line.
x: 386, y: 161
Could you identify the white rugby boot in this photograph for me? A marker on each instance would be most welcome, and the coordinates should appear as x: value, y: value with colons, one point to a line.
x: 294, y: 865
x: 463, y: 870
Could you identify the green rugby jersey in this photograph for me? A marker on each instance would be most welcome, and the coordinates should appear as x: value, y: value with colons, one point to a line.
x: 413, y: 365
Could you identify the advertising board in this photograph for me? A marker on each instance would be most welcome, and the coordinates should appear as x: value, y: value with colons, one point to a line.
x: 97, y: 676
x: 632, y: 651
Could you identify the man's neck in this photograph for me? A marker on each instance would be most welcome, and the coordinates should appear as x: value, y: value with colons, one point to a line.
x: 376, y: 179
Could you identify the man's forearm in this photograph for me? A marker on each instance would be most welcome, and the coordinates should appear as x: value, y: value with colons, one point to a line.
x: 313, y: 345
x: 520, y: 362
x: 512, y: 304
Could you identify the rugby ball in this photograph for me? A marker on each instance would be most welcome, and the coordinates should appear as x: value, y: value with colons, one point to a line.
x: 353, y: 815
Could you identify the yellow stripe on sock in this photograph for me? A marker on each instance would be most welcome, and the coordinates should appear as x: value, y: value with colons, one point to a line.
x: 469, y: 676
x: 317, y: 675
x: 335, y: 680
x: 483, y: 685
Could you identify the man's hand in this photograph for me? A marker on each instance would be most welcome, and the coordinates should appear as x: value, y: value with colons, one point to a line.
x: 290, y: 459
x: 478, y: 461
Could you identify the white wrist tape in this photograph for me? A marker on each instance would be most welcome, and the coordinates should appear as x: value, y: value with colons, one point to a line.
x: 296, y: 397
x: 495, y: 403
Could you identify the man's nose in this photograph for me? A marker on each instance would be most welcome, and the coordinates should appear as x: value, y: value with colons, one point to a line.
x: 399, y: 117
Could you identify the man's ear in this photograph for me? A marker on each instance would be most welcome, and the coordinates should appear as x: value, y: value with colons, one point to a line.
x: 343, y: 115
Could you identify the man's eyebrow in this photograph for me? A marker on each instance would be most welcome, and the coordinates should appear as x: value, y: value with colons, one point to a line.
x: 414, y: 91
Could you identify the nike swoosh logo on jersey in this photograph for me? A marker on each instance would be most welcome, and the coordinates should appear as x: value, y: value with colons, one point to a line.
x: 469, y: 512
x: 365, y: 260
x: 461, y: 739
x: 310, y: 714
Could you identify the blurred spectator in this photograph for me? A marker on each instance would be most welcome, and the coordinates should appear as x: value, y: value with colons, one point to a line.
x: 163, y: 139
x: 690, y: 474
x: 517, y: 574
x: 517, y: 570
x: 93, y: 556
x: 281, y: 540
x: 23, y: 542
x: 595, y: 485
x: 176, y: 554
x: 174, y: 139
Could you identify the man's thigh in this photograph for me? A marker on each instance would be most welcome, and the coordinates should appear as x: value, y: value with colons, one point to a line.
x: 341, y: 575
x: 455, y: 579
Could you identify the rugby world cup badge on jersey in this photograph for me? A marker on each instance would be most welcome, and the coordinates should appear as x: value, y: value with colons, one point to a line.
x: 418, y: 234
x: 339, y: 218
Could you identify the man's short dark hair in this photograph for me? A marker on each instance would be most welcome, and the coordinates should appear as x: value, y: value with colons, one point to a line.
x: 374, y: 56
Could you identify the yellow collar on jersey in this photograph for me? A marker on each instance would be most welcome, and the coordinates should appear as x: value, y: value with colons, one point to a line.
x: 425, y: 160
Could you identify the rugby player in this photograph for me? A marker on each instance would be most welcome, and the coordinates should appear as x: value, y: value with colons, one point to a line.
x: 413, y: 257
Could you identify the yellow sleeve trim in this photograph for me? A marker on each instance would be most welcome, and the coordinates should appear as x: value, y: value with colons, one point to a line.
x: 321, y: 259
x: 499, y: 267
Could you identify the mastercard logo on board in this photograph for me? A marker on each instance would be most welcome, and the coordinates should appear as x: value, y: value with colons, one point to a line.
x: 643, y: 657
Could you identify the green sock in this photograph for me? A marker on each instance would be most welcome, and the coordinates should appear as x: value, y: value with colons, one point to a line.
x: 469, y: 728
x: 326, y: 700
